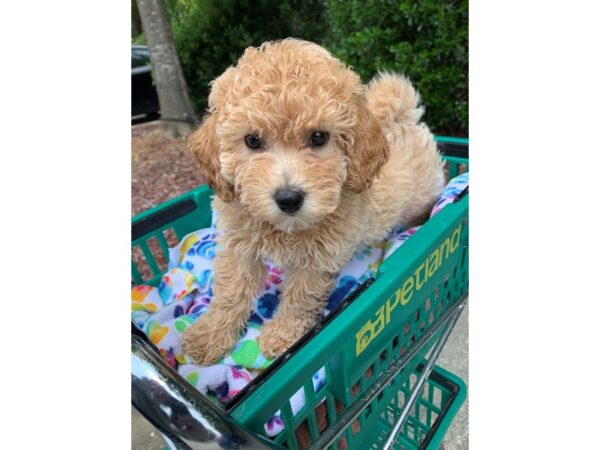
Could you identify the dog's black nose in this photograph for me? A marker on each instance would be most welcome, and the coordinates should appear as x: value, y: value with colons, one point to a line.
x: 288, y: 200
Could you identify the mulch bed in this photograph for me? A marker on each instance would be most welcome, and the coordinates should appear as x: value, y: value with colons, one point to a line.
x: 161, y: 168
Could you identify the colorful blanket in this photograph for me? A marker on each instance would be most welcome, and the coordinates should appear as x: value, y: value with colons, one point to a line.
x: 185, y: 290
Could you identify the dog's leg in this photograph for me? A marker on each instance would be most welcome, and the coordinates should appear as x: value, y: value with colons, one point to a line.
x: 303, y: 298
x: 236, y: 284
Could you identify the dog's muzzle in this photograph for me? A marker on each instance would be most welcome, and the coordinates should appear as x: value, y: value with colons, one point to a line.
x: 289, y: 200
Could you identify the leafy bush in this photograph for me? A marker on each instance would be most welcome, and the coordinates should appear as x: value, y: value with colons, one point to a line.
x: 425, y: 39
x: 210, y: 35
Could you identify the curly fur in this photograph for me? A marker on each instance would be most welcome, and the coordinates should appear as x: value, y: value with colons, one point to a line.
x: 379, y: 169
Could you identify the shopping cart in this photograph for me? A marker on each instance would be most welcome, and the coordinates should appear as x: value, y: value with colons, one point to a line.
x: 378, y: 348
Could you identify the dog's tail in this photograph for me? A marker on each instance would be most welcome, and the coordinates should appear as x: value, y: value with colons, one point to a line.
x: 393, y: 100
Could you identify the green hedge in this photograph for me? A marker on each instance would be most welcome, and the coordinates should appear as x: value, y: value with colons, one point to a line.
x: 425, y: 39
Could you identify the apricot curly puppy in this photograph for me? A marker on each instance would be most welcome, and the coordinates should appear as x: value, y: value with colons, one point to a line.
x: 307, y: 163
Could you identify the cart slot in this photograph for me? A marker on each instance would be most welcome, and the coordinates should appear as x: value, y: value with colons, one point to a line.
x: 453, y: 149
x: 162, y: 218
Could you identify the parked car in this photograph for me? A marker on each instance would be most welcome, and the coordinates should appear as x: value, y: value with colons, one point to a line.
x: 144, y: 99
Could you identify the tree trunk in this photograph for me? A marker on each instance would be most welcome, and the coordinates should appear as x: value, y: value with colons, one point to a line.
x: 177, y: 113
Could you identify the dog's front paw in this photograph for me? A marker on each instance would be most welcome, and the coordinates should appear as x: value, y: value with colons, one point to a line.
x: 205, y: 343
x: 277, y: 336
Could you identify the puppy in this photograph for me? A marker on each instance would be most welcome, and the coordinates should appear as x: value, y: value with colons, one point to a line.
x: 307, y: 163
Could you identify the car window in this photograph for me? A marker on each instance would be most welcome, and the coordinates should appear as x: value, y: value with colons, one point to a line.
x: 139, y: 57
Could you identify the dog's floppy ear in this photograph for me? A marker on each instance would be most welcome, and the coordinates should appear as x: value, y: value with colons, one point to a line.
x: 204, y: 147
x: 367, y: 152
x: 204, y: 144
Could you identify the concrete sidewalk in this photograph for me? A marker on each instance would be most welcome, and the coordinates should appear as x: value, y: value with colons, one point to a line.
x: 143, y: 434
x: 454, y: 358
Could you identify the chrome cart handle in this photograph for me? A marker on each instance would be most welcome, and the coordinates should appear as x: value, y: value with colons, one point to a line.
x: 182, y: 414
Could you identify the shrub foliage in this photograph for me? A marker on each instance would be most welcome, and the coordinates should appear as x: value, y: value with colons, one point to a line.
x: 425, y: 39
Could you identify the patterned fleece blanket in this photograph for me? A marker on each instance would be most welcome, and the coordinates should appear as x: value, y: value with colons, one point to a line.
x: 185, y: 290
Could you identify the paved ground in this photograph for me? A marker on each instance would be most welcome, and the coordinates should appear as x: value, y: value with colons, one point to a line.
x: 143, y: 434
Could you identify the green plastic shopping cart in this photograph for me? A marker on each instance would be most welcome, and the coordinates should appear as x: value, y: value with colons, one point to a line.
x: 378, y: 348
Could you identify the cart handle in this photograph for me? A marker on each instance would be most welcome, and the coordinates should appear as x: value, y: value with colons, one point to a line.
x: 176, y: 409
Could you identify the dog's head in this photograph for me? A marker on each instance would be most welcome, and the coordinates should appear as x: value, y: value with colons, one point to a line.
x: 287, y: 132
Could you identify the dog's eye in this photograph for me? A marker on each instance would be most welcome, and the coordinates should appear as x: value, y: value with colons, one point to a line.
x: 253, y: 141
x: 318, y: 138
